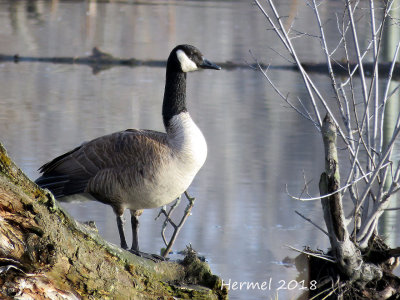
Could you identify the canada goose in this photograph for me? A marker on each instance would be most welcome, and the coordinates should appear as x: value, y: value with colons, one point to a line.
x: 137, y: 169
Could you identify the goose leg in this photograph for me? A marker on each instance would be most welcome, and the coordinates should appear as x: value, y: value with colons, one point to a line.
x: 120, y: 224
x: 119, y: 212
x: 135, y: 240
x: 135, y: 229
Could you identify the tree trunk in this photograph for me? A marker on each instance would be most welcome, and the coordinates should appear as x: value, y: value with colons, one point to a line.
x: 348, y: 256
x: 46, y: 253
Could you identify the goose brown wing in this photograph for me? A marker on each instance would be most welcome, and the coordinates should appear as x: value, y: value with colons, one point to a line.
x: 69, y: 173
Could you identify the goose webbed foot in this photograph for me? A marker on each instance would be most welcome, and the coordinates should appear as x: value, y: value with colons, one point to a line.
x: 153, y: 257
x: 135, y: 228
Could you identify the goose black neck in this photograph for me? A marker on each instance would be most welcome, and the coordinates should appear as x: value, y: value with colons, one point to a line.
x: 174, y: 95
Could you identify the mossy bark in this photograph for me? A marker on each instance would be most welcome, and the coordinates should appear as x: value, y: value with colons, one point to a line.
x: 46, y: 253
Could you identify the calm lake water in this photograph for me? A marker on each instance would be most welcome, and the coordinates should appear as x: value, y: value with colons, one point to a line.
x: 243, y: 218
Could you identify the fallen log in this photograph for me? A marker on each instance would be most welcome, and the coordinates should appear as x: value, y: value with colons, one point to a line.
x: 44, y: 252
x: 100, y: 61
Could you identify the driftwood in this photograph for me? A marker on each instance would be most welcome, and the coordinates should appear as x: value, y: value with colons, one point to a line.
x: 348, y: 256
x: 46, y: 254
x: 346, y: 271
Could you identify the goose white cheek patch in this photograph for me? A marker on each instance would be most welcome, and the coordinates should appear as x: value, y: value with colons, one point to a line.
x: 187, y: 64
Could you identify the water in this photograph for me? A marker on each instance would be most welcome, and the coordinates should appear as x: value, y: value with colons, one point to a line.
x: 243, y: 217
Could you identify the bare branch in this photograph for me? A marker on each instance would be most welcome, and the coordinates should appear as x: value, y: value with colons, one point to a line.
x: 359, y: 124
x: 306, y: 115
x: 278, y: 53
x: 385, y: 97
x: 386, y: 155
x: 375, y: 77
x: 362, y: 75
x: 337, y: 191
x: 282, y: 34
x: 309, y: 220
x: 178, y: 228
x: 321, y: 256
x: 327, y: 55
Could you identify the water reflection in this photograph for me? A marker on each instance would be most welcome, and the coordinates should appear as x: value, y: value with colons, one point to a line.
x: 243, y: 218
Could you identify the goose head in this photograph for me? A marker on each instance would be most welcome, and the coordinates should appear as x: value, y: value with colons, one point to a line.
x: 187, y: 58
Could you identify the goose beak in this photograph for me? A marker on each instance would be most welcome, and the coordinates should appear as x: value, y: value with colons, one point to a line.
x: 206, y: 64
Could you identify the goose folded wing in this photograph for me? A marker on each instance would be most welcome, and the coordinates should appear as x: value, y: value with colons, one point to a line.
x: 70, y: 173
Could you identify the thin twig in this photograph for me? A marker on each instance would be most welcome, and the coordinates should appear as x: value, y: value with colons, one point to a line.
x: 167, y: 219
x: 306, y: 115
x: 178, y: 228
x: 283, y: 36
x: 309, y: 220
x: 321, y: 256
x: 337, y: 191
